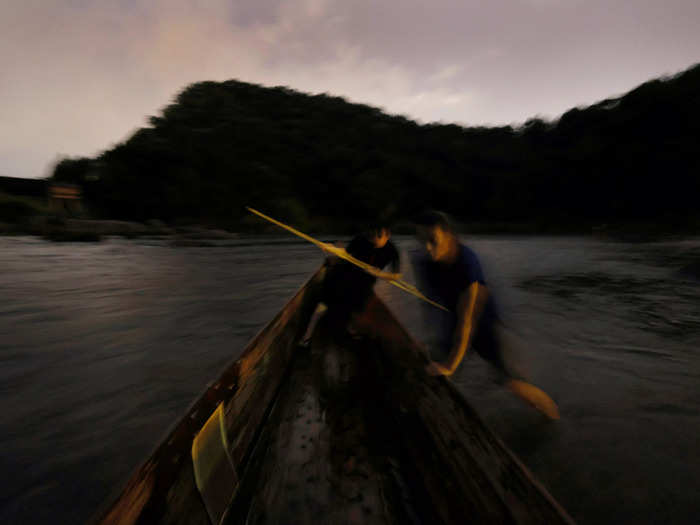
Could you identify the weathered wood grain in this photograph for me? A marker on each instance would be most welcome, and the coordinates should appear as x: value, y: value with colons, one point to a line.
x: 315, y: 461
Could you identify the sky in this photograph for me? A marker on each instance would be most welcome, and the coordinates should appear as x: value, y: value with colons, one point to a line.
x: 79, y: 76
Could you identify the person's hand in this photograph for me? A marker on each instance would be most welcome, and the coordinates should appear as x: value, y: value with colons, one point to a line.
x: 374, y: 271
x: 437, y: 369
x: 332, y: 249
x: 385, y: 275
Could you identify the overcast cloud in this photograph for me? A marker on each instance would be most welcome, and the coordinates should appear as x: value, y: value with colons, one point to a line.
x: 77, y: 76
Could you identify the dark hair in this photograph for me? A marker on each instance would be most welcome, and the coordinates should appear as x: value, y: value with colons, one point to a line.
x: 376, y: 228
x: 380, y: 221
x: 431, y: 218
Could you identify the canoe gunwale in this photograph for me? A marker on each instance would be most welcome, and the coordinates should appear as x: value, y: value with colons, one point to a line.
x: 149, y: 483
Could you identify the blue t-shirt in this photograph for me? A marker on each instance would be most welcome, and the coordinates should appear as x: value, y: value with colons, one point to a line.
x: 444, y: 283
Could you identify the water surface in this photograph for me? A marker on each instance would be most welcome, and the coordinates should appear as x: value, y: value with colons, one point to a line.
x: 103, y: 347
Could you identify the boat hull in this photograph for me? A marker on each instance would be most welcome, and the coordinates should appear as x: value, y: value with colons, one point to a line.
x: 349, y: 429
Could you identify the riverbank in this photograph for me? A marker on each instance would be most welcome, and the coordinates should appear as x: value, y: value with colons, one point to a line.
x: 92, y: 230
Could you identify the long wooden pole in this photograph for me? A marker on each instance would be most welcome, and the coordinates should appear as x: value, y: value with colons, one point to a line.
x: 341, y: 253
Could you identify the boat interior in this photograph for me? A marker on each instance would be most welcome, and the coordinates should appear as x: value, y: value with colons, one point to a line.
x: 346, y: 429
x: 359, y: 434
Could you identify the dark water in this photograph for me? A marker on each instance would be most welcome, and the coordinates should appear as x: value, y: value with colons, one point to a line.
x: 103, y: 346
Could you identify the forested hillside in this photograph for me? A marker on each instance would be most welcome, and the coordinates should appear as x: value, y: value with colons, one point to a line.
x: 323, y: 163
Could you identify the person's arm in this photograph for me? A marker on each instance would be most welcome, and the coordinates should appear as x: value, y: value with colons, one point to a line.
x: 395, y: 264
x: 469, y: 307
x: 339, y: 251
x: 384, y: 275
x: 333, y: 249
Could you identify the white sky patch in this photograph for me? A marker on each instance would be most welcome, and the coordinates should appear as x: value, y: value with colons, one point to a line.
x: 447, y: 72
x: 393, y: 88
x: 437, y: 105
x: 315, y: 8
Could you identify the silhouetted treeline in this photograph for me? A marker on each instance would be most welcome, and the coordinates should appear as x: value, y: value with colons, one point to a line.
x: 321, y: 162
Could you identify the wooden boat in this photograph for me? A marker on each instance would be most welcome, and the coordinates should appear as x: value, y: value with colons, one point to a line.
x: 344, y: 430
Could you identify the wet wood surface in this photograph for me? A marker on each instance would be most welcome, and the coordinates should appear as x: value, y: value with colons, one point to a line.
x: 320, y: 458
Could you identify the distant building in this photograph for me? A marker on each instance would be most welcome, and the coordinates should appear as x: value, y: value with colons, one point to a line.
x: 65, y: 198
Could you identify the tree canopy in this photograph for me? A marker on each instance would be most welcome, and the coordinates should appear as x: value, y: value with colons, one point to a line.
x: 321, y: 162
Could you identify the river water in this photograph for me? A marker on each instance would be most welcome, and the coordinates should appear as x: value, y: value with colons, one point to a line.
x: 103, y: 346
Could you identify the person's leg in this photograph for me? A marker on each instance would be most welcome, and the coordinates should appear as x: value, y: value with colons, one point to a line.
x: 533, y: 396
x: 357, y: 302
x: 493, y: 345
x: 337, y: 296
x: 318, y: 313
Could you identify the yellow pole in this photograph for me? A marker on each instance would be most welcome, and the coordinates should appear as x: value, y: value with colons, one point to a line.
x: 339, y: 252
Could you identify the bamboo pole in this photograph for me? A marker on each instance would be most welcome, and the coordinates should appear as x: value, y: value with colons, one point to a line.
x: 341, y: 253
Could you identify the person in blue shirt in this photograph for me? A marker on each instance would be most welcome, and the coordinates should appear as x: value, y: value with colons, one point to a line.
x: 450, y: 274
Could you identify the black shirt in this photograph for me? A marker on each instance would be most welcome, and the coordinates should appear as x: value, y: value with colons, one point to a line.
x: 362, y: 248
x: 349, y: 285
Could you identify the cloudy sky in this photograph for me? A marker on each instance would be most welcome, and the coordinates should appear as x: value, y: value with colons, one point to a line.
x: 77, y: 76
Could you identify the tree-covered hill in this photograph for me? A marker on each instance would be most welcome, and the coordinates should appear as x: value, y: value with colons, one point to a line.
x: 321, y: 162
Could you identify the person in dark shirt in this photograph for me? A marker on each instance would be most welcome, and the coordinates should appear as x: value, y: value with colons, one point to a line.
x: 450, y: 274
x: 348, y: 287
